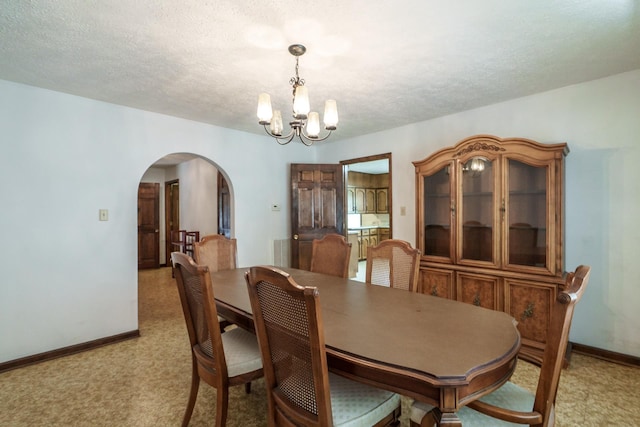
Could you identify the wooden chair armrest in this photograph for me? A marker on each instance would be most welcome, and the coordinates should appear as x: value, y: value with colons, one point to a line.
x: 506, y: 414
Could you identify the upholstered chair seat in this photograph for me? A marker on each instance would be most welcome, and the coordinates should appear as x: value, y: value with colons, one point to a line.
x: 241, y: 351
x: 356, y: 404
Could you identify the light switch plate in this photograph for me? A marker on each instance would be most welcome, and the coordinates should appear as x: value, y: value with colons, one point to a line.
x: 104, y: 214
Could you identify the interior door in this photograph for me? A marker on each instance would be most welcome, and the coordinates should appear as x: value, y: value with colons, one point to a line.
x: 148, y: 225
x: 172, y: 214
x: 317, y: 207
x: 224, y: 207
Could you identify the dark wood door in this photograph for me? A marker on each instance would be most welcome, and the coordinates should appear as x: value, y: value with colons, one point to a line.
x: 148, y: 225
x: 172, y: 214
x: 224, y: 207
x: 317, y: 207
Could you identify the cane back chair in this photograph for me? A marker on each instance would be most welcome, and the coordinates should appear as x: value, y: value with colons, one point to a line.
x: 300, y: 389
x: 330, y: 255
x: 393, y: 263
x: 221, y: 360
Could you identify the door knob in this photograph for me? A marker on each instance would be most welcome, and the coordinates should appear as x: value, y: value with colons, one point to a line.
x: 295, y: 237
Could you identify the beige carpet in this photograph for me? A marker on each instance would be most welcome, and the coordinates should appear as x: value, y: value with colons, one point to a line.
x: 145, y: 381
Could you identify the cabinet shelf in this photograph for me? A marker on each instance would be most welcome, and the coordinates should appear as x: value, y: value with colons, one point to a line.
x: 528, y: 193
x: 478, y: 194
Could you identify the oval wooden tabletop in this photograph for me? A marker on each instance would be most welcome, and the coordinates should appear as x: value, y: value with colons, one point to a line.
x: 440, y: 338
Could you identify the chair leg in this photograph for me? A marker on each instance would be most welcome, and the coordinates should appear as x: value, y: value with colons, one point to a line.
x: 222, y: 404
x: 193, y: 394
x: 223, y: 325
x: 247, y: 387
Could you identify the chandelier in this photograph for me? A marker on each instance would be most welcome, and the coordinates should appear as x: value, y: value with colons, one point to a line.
x: 305, y: 125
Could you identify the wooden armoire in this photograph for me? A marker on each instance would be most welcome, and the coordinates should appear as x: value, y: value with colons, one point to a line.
x: 490, y: 220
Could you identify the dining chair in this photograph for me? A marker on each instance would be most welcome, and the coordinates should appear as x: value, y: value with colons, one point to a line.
x: 510, y: 404
x: 300, y: 389
x: 220, y: 360
x: 218, y: 253
x: 331, y: 255
x: 393, y: 263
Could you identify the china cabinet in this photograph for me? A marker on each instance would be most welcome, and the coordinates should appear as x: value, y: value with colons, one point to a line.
x: 490, y: 227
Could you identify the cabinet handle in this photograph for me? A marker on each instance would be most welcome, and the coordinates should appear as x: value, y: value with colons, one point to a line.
x: 453, y: 209
x: 528, y: 312
x: 476, y: 300
x: 434, y: 291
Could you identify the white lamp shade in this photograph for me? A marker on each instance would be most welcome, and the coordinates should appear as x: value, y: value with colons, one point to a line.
x: 330, y: 114
x: 264, y: 109
x: 276, y: 123
x: 313, y: 124
x: 301, y: 103
x: 477, y: 164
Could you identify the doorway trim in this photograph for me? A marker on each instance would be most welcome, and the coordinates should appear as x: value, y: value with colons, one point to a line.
x: 168, y: 217
x: 346, y: 163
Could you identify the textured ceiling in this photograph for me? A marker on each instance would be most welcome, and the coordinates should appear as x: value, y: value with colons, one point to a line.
x: 387, y: 63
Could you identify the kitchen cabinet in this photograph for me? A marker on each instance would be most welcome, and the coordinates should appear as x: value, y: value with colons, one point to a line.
x: 373, y: 238
x: 367, y: 200
x: 367, y: 193
x: 370, y: 200
x: 383, y: 234
x: 360, y: 200
x: 367, y: 237
x: 382, y: 200
x: 490, y: 225
x: 351, y: 200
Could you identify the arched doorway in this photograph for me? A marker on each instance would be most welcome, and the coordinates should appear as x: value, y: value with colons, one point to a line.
x: 196, y: 195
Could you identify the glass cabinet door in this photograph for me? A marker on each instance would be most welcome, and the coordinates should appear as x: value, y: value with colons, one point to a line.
x: 526, y: 214
x: 437, y: 213
x: 477, y: 210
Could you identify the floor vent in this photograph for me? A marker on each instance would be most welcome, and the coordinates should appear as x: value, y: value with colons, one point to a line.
x: 281, y: 254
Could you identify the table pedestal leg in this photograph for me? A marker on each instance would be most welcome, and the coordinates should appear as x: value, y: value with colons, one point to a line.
x: 449, y: 419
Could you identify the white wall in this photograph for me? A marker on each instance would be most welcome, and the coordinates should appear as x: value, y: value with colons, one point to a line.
x: 600, y: 121
x: 68, y: 278
x: 198, y: 196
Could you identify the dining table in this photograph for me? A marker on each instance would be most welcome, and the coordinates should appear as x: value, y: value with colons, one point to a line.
x: 440, y: 351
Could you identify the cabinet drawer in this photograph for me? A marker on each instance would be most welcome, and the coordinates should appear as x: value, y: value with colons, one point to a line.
x: 383, y: 233
x: 530, y: 304
x: 479, y: 290
x: 365, y: 232
x: 436, y: 282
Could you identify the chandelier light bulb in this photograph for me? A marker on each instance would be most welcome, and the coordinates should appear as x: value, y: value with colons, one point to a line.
x: 330, y: 114
x: 301, y: 105
x: 313, y: 125
x: 276, y: 123
x: 264, y: 109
